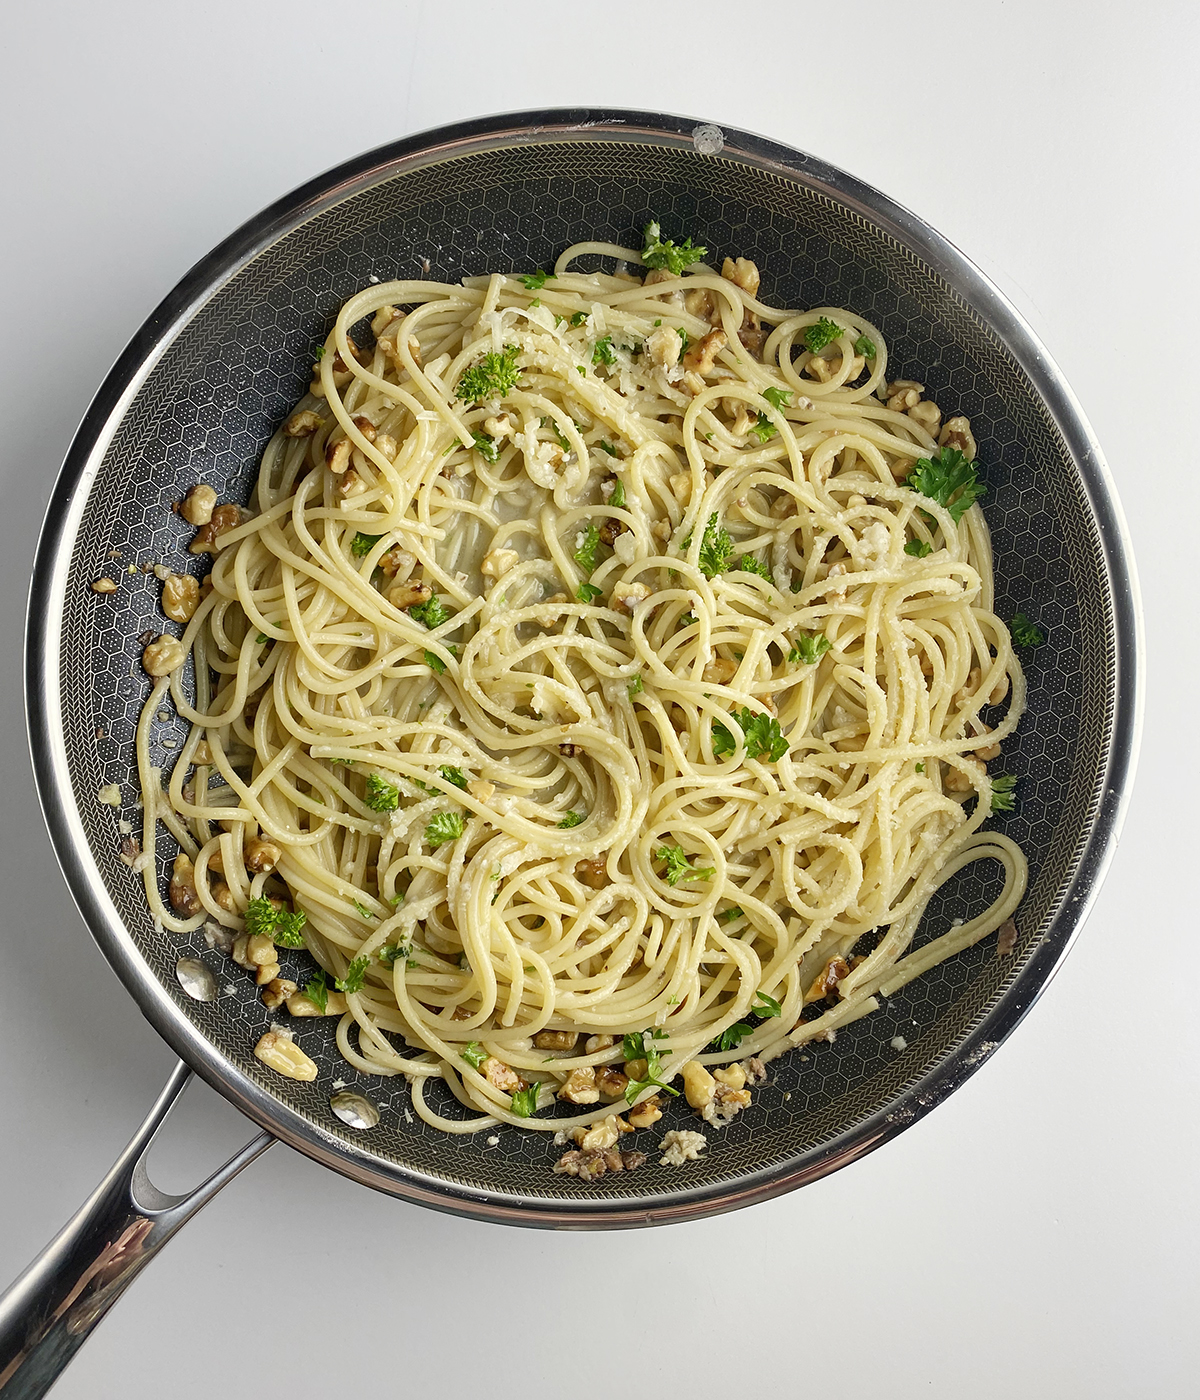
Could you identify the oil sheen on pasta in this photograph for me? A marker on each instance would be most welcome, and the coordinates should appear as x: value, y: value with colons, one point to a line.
x: 692, y: 724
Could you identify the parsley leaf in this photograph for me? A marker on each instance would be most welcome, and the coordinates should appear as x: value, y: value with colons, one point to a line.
x: 392, y: 953
x: 364, y: 912
x: 662, y: 252
x: 474, y: 1054
x: 443, y: 827
x: 578, y: 318
x: 537, y: 280
x: 918, y: 548
x: 732, y: 1036
x: 636, y: 686
x: 435, y: 663
x: 609, y: 448
x: 823, y: 333
x: 588, y: 593
x: 947, y: 478
x: 617, y: 499
x: 494, y: 376
x: 748, y: 564
x: 727, y: 916
x: 1026, y: 633
x: 587, y: 545
x: 770, y: 1007
x: 361, y: 545
x: 716, y: 548
x: 865, y: 347
x: 777, y: 398
x: 485, y: 446
x: 761, y: 735
x: 920, y: 768
x: 679, y: 866
x: 1004, y: 793
x: 809, y: 648
x: 560, y: 437
x: 456, y: 776
x: 524, y: 1101
x: 432, y: 613
x: 684, y: 339
x: 603, y: 352
x: 356, y: 974
x: 763, y: 429
x: 277, y: 924
x: 686, y: 619
x: 572, y: 819
x: 381, y: 796
x: 639, y: 1045
x: 317, y: 991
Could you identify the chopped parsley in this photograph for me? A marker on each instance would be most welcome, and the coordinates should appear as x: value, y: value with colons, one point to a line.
x: 920, y: 768
x: 487, y: 448
x: 684, y: 339
x: 727, y: 916
x: 732, y: 1036
x: 748, y: 564
x: 585, y: 553
x: 435, y: 663
x: 1004, y: 793
x: 391, y: 953
x: 865, y: 347
x: 679, y: 866
x: 918, y: 548
x: 361, y: 545
x: 636, y: 686
x: 588, y: 593
x: 381, y: 796
x: 1026, y: 633
x: 572, y: 819
x: 494, y: 376
x: 761, y: 735
x: 823, y: 333
x: 658, y: 251
x: 603, y: 352
x: 474, y: 1054
x: 432, y: 613
x: 716, y: 547
x: 263, y: 918
x: 443, y: 827
x: 363, y: 911
x: 777, y: 398
x: 607, y: 447
x: 524, y: 1101
x: 809, y: 648
x: 617, y: 499
x: 559, y: 436
x: 317, y: 991
x: 947, y: 478
x: 454, y: 776
x: 537, y: 280
x: 770, y: 1007
x: 578, y: 318
x: 355, y: 976
x: 763, y: 429
x: 686, y: 620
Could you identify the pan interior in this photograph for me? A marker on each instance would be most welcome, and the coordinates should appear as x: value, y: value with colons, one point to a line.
x: 214, y: 397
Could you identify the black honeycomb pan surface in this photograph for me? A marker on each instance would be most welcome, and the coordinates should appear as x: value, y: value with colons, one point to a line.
x: 219, y: 390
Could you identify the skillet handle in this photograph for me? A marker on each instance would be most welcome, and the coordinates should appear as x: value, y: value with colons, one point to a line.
x: 49, y: 1312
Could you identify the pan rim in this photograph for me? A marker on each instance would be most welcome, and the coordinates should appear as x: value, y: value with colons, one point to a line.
x: 47, y: 739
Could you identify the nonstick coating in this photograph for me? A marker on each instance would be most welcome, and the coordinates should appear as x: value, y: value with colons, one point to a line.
x: 206, y: 382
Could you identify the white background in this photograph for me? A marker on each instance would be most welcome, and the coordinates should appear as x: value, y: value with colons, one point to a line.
x: 1035, y: 1237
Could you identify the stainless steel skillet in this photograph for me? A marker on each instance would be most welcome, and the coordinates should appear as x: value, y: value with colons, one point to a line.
x: 197, y: 394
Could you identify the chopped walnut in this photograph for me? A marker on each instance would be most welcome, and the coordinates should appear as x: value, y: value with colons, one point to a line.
x: 725, y: 1104
x: 646, y: 1113
x: 732, y: 1076
x: 597, y: 1136
x: 593, y: 872
x: 957, y: 433
x: 580, y: 1086
x: 481, y: 789
x: 611, y: 531
x: 742, y: 273
x: 699, y: 303
x: 180, y: 597
x: 500, y: 1075
x: 499, y: 426
x: 303, y: 423
x: 959, y: 781
x: 701, y: 356
x: 409, y: 594
x: 827, y: 979
x: 570, y: 750
x: 596, y: 1043
x: 698, y: 1085
x: 162, y: 656
x: 626, y: 596
x: 1006, y: 938
x: 988, y: 751
x: 276, y: 992
x: 498, y: 562
x: 720, y: 670
x: 197, y: 506
x: 587, y: 1166
x: 337, y: 455
x: 663, y: 346
x: 903, y: 394
x: 611, y: 1083
x: 182, y: 890
x: 364, y: 426
x: 556, y: 1040
x: 754, y: 1070
x: 382, y: 319
x: 929, y: 415
x: 207, y: 537
x: 104, y: 585
x: 261, y: 856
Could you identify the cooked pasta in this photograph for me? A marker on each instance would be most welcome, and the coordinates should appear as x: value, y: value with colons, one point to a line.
x: 595, y: 687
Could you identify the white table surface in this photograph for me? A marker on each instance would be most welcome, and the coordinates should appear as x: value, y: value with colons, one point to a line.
x: 1035, y: 1237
